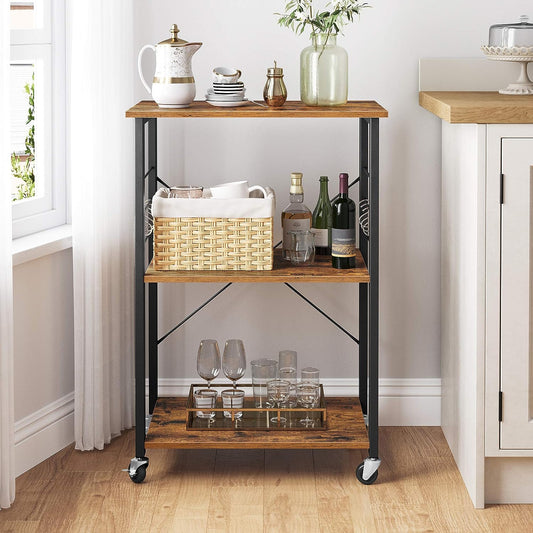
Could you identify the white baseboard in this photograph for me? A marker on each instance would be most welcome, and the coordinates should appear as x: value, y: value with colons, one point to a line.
x: 43, y: 433
x: 402, y: 402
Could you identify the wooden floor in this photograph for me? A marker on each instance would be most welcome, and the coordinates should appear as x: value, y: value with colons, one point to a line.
x: 418, y: 489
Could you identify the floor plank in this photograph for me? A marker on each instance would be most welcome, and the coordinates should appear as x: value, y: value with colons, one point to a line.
x: 184, y: 494
x: 343, y: 503
x: 210, y: 491
x: 290, y: 498
x: 236, y: 502
x: 129, y: 506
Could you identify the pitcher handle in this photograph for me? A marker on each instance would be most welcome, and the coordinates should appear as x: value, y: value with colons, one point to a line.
x: 139, y: 66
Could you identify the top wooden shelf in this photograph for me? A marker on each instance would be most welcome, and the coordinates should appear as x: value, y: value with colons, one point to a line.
x: 199, y: 109
x: 469, y: 107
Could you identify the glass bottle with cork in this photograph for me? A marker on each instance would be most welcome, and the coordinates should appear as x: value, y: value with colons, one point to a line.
x: 296, y: 216
x: 322, y: 220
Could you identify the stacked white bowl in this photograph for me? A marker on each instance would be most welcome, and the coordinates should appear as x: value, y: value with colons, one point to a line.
x: 227, y: 89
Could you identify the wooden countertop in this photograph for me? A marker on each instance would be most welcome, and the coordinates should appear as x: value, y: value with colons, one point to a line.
x: 462, y: 107
x: 199, y: 109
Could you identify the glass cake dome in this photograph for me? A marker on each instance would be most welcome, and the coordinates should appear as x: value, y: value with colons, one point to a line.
x: 509, y: 35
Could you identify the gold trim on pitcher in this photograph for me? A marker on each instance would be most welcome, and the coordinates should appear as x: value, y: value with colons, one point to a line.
x: 157, y: 79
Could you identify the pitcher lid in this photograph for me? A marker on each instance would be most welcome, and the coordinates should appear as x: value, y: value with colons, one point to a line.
x: 174, y: 40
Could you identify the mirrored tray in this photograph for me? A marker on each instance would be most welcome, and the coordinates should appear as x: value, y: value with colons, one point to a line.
x: 254, y: 418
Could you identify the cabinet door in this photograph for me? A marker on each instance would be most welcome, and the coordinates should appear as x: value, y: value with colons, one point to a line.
x: 516, y: 314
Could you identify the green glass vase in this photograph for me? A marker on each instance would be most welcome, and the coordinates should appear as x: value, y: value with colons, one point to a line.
x: 324, y: 72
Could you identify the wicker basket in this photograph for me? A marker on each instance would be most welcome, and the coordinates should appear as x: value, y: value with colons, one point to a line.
x: 212, y: 243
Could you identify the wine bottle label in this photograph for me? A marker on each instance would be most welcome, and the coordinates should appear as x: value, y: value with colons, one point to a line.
x: 343, y: 242
x: 294, y: 224
x: 321, y: 237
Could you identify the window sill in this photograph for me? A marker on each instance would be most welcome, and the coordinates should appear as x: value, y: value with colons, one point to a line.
x: 40, y: 244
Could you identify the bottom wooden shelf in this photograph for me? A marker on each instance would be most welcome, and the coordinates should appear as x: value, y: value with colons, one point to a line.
x: 345, y: 429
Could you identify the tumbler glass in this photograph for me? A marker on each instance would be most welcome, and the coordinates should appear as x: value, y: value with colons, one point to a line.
x: 232, y: 398
x: 206, y: 399
x: 310, y: 375
x: 288, y: 371
x: 278, y: 395
x: 308, y: 397
x: 263, y: 371
x: 301, y: 247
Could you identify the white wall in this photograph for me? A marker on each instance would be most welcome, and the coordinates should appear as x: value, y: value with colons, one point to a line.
x: 384, y: 48
x: 44, y: 358
x: 44, y: 334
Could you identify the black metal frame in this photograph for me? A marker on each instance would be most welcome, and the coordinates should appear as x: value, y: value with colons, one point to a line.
x: 146, y: 171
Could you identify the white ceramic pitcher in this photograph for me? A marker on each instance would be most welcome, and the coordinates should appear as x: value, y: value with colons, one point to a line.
x: 173, y: 84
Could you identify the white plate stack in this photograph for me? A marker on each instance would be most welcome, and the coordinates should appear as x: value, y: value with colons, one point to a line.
x: 226, y: 94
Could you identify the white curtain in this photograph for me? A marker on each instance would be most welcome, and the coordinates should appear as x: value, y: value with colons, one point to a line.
x: 101, y: 71
x: 7, y: 447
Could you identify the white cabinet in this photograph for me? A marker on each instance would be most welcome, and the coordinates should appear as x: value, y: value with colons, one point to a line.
x: 516, y: 316
x: 486, y: 307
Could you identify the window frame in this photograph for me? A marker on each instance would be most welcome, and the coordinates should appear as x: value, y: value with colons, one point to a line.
x: 45, y: 48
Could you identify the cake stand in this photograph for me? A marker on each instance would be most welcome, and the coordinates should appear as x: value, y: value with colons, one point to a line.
x: 518, y: 54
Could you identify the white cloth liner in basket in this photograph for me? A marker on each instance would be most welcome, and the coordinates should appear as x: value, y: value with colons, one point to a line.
x: 164, y: 207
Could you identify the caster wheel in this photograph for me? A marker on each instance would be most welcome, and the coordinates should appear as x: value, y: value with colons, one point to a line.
x: 359, y: 475
x: 139, y: 475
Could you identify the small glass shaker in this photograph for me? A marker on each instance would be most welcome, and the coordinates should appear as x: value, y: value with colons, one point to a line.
x: 275, y: 92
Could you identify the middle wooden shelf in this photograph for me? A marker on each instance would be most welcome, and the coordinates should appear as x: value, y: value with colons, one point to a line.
x: 282, y: 272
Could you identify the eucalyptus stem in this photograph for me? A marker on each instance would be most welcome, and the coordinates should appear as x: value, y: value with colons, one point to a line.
x: 337, y: 14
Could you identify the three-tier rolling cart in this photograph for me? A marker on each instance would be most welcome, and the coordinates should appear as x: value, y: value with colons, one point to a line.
x: 351, y: 422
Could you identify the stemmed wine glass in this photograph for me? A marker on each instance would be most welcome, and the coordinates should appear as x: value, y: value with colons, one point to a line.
x: 234, y: 360
x: 208, y: 360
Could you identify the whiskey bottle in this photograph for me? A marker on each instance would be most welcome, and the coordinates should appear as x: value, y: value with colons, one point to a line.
x: 296, y: 216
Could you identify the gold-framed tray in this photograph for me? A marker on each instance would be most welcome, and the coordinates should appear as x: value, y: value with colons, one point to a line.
x: 254, y: 418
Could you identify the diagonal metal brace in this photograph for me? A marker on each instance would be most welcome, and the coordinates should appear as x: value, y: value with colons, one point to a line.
x: 322, y: 312
x: 193, y: 313
x: 162, y: 182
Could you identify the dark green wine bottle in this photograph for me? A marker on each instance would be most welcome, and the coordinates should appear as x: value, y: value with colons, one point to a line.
x: 343, y: 227
x: 322, y: 220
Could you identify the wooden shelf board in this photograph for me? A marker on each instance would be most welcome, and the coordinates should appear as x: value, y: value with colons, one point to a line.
x: 283, y: 271
x: 296, y: 109
x: 476, y: 107
x: 346, y: 429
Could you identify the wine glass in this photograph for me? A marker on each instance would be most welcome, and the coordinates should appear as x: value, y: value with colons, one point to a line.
x: 234, y: 360
x: 208, y: 360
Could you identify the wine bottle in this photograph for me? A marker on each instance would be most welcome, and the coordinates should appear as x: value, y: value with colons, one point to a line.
x: 296, y: 216
x: 343, y: 227
x: 322, y: 220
